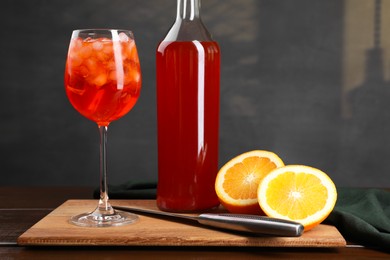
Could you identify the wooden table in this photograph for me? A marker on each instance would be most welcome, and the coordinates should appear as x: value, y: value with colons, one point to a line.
x: 21, y: 207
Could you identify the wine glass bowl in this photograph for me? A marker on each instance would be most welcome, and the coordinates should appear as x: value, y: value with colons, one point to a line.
x: 103, y: 75
x: 103, y: 83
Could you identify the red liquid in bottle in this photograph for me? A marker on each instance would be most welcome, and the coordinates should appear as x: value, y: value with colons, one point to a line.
x: 188, y: 124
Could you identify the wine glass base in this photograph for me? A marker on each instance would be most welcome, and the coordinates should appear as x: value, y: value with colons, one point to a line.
x: 119, y: 218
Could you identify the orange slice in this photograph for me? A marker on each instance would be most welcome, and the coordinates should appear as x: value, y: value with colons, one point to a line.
x: 238, y: 180
x: 300, y: 193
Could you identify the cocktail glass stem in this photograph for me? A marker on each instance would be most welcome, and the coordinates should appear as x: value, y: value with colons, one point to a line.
x: 104, y: 206
x: 104, y: 215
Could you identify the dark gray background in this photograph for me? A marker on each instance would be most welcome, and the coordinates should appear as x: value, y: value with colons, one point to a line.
x: 281, y: 84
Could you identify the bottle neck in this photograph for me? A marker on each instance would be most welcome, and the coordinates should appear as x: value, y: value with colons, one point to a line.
x: 188, y: 10
x: 188, y: 25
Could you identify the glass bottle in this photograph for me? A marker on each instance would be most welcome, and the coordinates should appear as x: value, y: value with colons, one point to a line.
x: 188, y: 78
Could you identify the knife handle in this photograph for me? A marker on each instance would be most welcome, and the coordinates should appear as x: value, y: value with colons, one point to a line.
x: 260, y: 225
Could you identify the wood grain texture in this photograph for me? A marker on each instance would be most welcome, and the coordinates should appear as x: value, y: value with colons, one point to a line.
x: 54, y: 230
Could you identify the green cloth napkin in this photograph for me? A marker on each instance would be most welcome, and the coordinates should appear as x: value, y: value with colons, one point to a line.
x: 363, y: 216
x: 131, y: 190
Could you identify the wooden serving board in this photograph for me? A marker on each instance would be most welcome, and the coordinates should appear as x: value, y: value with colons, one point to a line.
x: 54, y: 230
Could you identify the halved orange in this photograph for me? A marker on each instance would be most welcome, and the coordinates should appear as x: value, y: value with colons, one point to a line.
x: 238, y: 180
x: 296, y: 192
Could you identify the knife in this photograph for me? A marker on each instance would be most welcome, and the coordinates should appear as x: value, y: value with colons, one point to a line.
x: 259, y: 225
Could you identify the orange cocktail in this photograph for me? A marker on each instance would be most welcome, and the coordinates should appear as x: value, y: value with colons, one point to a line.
x: 103, y: 77
x: 103, y: 83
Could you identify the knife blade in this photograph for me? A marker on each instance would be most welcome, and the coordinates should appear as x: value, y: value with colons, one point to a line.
x: 260, y: 225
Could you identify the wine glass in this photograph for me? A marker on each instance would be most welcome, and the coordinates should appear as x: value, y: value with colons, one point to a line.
x: 103, y: 83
